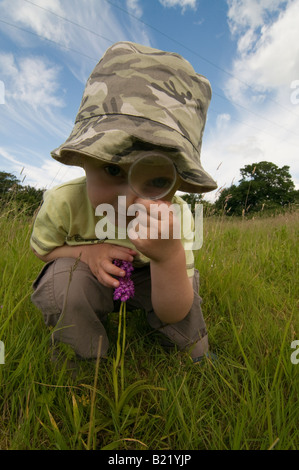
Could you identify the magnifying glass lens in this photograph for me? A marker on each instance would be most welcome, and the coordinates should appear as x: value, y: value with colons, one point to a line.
x: 152, y: 177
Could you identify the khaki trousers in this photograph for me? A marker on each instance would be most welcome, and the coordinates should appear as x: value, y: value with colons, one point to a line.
x: 74, y: 302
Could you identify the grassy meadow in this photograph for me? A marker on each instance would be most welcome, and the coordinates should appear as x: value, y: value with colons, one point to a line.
x: 247, y: 400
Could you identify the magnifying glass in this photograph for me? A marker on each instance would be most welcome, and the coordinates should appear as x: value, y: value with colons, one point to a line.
x: 152, y: 176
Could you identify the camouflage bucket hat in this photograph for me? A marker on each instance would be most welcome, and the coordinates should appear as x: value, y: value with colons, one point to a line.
x: 138, y: 99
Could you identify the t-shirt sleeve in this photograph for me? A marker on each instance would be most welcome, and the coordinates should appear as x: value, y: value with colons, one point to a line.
x: 49, y: 230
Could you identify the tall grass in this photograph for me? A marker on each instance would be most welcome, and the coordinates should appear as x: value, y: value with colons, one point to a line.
x: 247, y: 400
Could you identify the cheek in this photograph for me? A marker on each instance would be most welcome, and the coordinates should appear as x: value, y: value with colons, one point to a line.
x: 96, y: 194
x: 101, y: 194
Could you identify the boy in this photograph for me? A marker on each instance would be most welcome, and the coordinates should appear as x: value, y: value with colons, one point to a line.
x: 137, y: 101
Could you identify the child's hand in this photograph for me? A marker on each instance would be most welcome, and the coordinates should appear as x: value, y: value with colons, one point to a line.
x: 168, y: 260
x: 100, y: 258
x: 155, y: 223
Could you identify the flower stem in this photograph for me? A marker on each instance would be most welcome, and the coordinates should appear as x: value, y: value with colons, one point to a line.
x: 122, y: 364
x: 119, y: 360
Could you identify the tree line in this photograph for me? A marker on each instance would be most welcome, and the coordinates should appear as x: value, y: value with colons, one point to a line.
x: 15, y: 195
x: 263, y: 187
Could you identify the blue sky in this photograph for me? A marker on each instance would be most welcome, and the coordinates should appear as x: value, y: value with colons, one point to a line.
x: 248, y: 49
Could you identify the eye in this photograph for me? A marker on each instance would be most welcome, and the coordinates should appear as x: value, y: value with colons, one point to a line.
x: 113, y: 170
x: 160, y: 182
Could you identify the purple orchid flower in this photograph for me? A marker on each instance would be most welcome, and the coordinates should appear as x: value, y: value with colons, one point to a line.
x: 125, y: 290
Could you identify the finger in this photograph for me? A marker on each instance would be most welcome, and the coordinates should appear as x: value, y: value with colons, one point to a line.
x: 105, y: 275
x: 125, y: 249
x: 112, y: 269
x: 123, y: 253
x: 108, y: 281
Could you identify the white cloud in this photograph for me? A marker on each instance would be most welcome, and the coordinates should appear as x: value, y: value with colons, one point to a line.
x: 83, y: 28
x: 46, y: 174
x: 224, y: 158
x: 36, y: 19
x: 179, y: 3
x: 222, y: 121
x: 38, y: 87
x: 30, y: 80
x: 134, y: 7
x: 268, y: 46
x: 33, y: 97
x: 265, y: 127
x: 235, y: 144
x: 266, y: 35
x: 252, y: 14
x: 50, y: 173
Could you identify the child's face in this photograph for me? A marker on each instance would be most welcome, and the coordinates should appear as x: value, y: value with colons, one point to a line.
x: 107, y: 181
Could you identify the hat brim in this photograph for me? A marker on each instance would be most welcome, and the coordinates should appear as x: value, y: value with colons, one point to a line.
x: 121, y: 138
